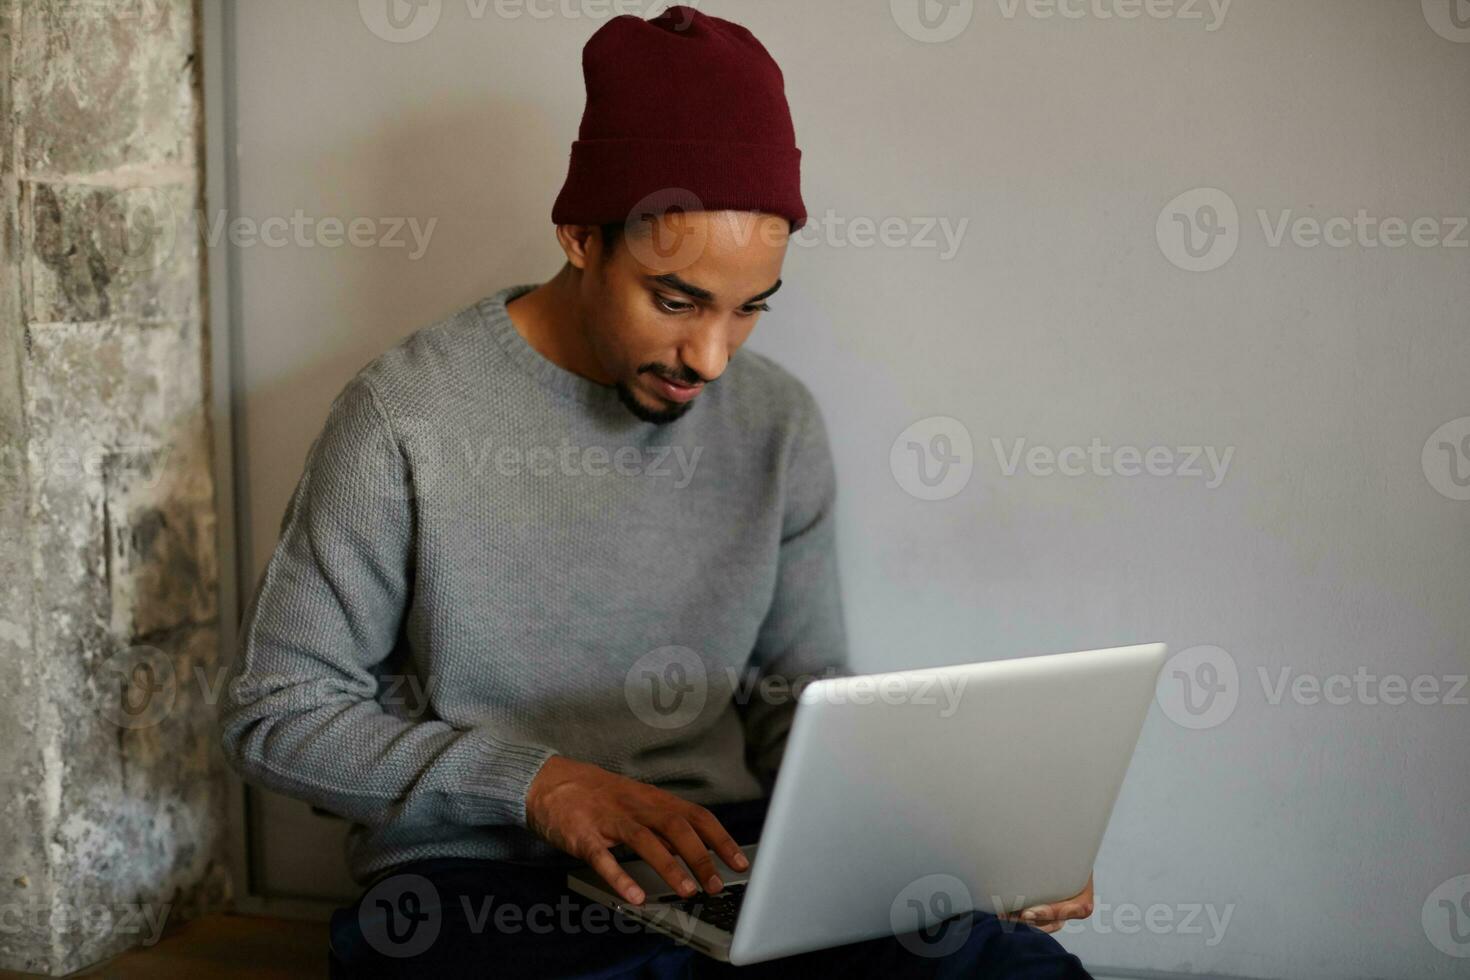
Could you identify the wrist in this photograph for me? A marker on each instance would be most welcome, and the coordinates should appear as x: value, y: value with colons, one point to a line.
x: 551, y: 774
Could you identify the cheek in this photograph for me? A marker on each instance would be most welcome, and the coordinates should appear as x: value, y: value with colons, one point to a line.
x: 634, y: 337
x: 650, y: 336
x: 740, y: 331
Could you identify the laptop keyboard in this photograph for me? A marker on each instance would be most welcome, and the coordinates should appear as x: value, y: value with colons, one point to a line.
x: 718, y: 910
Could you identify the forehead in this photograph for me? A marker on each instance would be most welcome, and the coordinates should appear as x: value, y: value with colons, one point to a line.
x: 733, y: 254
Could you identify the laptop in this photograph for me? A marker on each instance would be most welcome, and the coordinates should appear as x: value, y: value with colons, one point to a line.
x: 908, y: 798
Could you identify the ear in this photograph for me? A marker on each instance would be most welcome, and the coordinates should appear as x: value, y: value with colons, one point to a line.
x: 577, y: 241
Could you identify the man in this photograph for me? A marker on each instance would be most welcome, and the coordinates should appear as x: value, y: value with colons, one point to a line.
x: 540, y: 548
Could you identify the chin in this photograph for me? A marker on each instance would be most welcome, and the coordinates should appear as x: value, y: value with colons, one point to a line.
x: 663, y: 414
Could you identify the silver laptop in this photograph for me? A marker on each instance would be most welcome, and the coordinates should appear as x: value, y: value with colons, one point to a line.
x: 907, y: 798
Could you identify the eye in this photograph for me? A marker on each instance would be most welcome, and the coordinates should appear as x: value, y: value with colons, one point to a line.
x: 670, y: 305
x: 753, y: 310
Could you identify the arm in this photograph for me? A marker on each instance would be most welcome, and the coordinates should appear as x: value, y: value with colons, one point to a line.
x: 298, y: 712
x: 803, y: 636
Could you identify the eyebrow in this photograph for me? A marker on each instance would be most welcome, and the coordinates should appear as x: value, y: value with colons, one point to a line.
x: 672, y: 281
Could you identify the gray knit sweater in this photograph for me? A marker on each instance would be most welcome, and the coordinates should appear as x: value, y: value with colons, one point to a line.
x: 488, y: 559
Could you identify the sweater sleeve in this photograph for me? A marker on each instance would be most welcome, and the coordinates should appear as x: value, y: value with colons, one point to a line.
x: 299, y: 711
x: 803, y: 636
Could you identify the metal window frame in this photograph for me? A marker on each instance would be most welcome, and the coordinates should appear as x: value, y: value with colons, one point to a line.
x: 216, y: 38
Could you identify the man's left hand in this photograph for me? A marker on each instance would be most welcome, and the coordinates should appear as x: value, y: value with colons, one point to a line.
x: 1050, y: 918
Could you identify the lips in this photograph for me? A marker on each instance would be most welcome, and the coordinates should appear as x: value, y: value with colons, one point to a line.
x: 674, y: 391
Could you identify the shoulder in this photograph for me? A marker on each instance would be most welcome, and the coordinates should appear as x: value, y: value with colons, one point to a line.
x: 432, y: 364
x: 770, y: 410
x: 789, y: 426
x: 762, y: 385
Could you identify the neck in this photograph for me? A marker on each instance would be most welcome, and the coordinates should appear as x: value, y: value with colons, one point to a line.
x: 549, y: 318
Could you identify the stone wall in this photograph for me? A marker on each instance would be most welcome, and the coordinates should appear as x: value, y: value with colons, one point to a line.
x: 112, y: 795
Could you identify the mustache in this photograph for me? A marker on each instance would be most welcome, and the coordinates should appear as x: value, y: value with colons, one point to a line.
x: 684, y: 375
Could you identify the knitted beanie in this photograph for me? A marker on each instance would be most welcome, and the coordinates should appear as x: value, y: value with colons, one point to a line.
x: 684, y: 107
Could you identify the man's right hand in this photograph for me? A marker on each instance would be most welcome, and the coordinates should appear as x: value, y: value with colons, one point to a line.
x: 586, y: 811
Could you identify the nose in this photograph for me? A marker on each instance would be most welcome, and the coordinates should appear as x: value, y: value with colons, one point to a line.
x: 706, y: 350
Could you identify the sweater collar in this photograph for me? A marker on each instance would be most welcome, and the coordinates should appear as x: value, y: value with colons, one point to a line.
x: 497, y: 320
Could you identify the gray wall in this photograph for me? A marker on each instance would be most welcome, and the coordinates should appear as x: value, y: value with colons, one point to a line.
x: 1258, y: 835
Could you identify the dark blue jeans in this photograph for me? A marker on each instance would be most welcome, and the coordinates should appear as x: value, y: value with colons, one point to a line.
x: 452, y: 917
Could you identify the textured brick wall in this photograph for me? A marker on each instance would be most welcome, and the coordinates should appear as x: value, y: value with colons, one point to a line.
x: 112, y: 798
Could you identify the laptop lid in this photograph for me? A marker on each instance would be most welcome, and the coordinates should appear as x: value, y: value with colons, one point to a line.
x: 908, y: 797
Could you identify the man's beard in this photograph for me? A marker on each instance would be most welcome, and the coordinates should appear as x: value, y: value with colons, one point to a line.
x: 658, y: 416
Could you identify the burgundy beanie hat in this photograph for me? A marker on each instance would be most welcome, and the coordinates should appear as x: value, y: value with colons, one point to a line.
x: 682, y: 102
